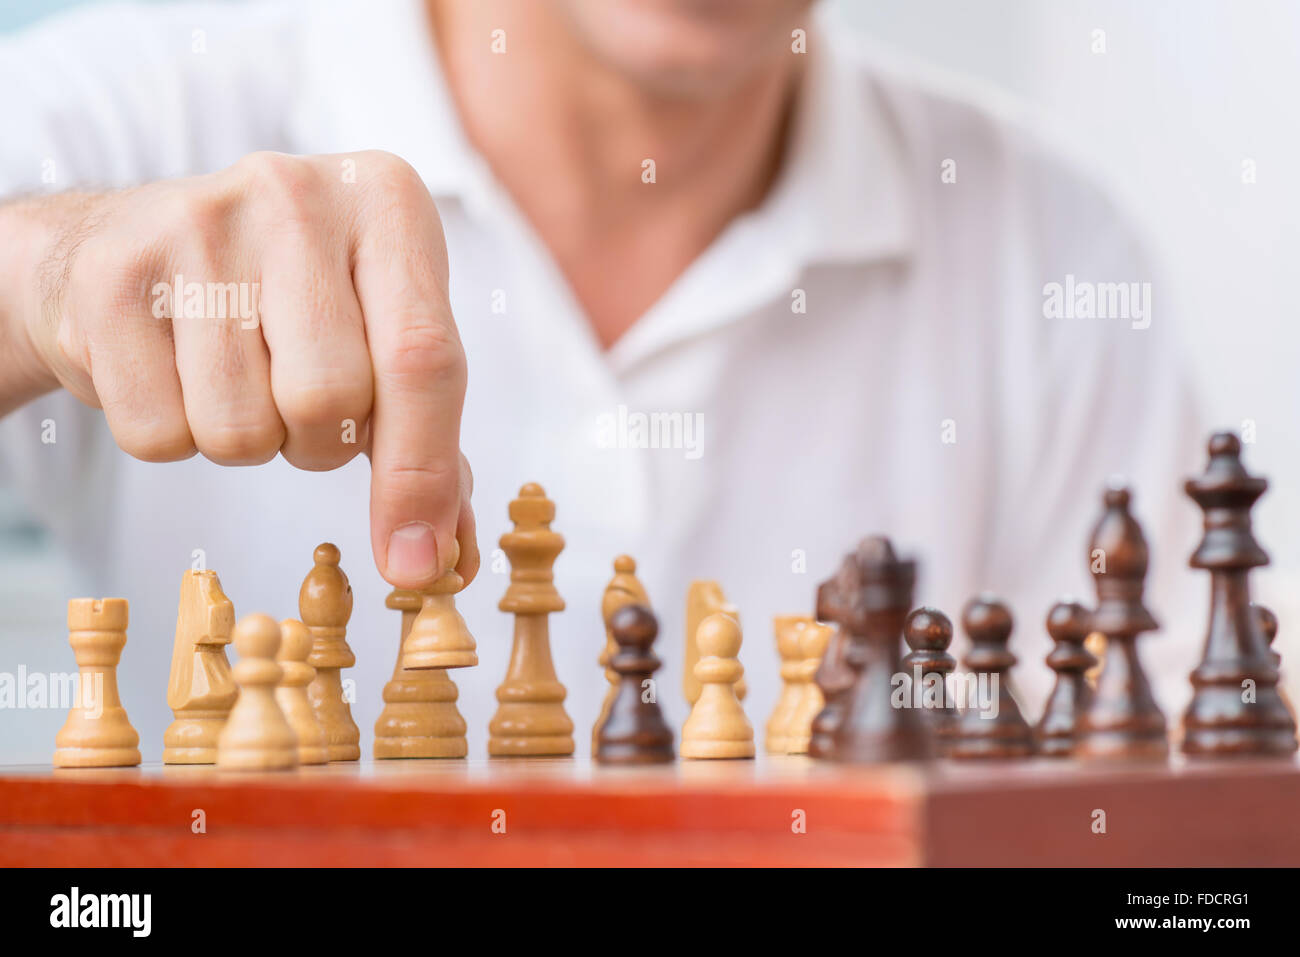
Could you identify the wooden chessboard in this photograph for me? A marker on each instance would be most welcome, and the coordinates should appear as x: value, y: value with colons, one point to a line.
x: 506, y: 812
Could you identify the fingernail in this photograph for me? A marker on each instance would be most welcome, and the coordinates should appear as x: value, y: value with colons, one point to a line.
x: 413, y: 552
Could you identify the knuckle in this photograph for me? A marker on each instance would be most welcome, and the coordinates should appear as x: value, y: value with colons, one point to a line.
x: 241, y: 442
x: 323, y: 403
x: 413, y: 476
x: 195, y: 244
x: 152, y: 442
x: 198, y: 208
x: 396, y: 197
x: 288, y: 184
x: 271, y: 169
x: 318, y: 457
x: 425, y: 350
x: 392, y: 175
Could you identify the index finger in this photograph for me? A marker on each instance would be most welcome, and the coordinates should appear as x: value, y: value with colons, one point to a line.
x: 400, y: 275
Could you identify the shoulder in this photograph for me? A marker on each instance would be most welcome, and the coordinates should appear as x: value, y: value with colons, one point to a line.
x: 1025, y: 246
x: 971, y: 149
x: 121, y: 92
x: 138, y: 38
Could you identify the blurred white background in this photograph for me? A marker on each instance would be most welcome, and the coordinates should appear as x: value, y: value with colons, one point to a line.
x: 1187, y: 96
x: 1186, y: 92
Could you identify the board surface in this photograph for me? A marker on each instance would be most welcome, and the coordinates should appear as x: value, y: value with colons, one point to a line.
x: 770, y: 811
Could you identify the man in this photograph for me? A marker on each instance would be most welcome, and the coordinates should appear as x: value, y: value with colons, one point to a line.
x: 732, y: 291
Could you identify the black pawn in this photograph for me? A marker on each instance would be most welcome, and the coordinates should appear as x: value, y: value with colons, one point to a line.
x: 635, y: 731
x: 1268, y: 625
x: 982, y: 733
x: 928, y: 633
x: 871, y: 729
x: 1068, y: 624
x: 835, y: 676
x: 1236, y: 708
x: 1123, y: 719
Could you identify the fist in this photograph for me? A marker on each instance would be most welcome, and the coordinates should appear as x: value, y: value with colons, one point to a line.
x: 291, y: 305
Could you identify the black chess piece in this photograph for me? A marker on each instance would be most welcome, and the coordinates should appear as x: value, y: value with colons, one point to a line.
x: 871, y: 728
x: 834, y: 676
x: 988, y: 727
x: 1123, y: 719
x: 634, y: 731
x: 1236, y: 708
x: 928, y: 633
x: 1268, y: 625
x: 1068, y: 624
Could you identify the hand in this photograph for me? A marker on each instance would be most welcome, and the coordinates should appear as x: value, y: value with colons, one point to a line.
x: 311, y: 319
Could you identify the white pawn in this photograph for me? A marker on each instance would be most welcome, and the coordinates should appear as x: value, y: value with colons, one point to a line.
x: 788, y: 628
x: 717, y: 727
x: 814, y: 636
x: 291, y: 692
x: 439, y: 637
x: 256, y: 736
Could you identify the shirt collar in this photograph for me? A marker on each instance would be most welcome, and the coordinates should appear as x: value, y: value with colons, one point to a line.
x: 842, y: 196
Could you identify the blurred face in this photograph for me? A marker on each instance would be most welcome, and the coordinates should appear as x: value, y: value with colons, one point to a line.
x: 686, y: 47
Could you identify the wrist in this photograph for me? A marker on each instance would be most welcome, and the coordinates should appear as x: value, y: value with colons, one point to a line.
x: 27, y: 234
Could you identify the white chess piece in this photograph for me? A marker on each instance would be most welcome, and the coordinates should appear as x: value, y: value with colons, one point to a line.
x: 717, y: 727
x: 256, y: 736
x: 291, y: 692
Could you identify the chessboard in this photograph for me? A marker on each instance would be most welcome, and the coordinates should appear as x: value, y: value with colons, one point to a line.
x: 870, y: 755
x: 772, y: 811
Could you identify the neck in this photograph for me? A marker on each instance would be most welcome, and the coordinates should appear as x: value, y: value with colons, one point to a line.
x: 568, y: 136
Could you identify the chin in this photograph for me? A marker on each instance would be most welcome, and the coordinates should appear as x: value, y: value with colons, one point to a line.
x: 686, y: 47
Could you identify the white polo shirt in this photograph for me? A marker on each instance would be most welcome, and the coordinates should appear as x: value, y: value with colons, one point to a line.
x: 871, y: 350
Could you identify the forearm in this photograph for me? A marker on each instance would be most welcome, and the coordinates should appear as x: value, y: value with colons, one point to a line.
x: 28, y: 228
